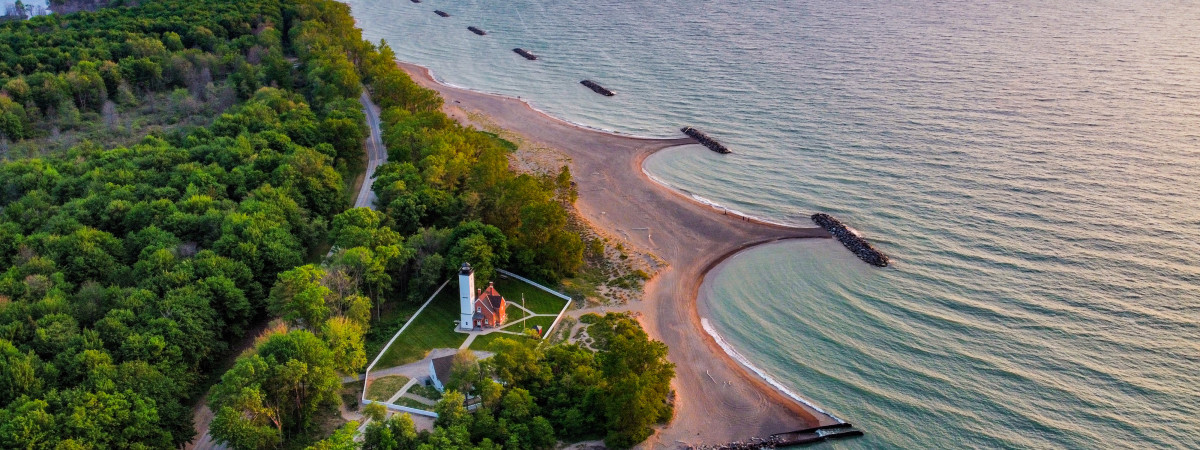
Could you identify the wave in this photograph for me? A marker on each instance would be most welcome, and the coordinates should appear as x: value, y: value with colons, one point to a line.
x: 443, y: 82
x: 729, y: 350
x: 712, y: 204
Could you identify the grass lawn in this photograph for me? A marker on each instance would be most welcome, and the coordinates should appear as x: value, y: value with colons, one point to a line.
x: 433, y: 328
x: 383, y: 388
x: 394, y: 314
x: 429, y: 392
x: 536, y: 300
x: 544, y: 321
x: 405, y: 401
x: 514, y: 314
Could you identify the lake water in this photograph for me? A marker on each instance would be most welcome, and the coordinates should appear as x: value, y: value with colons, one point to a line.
x: 1032, y: 168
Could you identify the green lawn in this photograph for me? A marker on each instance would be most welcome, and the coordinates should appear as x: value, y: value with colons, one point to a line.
x: 383, y: 388
x: 536, y: 300
x: 514, y: 314
x: 395, y: 314
x: 433, y: 328
x: 405, y: 401
x: 429, y: 392
x: 544, y: 321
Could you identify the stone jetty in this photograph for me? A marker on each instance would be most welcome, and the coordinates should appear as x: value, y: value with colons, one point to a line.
x: 597, y: 88
x: 857, y: 245
x: 527, y: 55
x: 711, y: 143
x: 441, y: 13
x: 477, y: 31
x: 790, y: 438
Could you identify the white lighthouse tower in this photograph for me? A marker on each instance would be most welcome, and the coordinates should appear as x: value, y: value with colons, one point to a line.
x: 466, y: 296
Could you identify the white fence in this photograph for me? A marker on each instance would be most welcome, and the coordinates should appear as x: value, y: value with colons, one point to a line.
x: 566, y: 297
x: 367, y: 373
x: 395, y: 407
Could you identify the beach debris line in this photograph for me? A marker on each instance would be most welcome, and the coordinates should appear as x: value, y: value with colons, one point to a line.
x: 704, y: 140
x: 441, y: 13
x: 527, y: 55
x: 477, y: 31
x: 857, y: 245
x: 597, y: 88
x: 790, y: 438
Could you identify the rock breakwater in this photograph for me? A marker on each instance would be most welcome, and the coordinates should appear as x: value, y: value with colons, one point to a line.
x: 857, y: 245
x: 526, y: 54
x: 704, y: 140
x: 597, y: 88
x: 477, y: 31
x: 441, y: 13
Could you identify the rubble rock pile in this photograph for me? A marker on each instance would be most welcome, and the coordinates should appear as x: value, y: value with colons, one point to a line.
x: 597, y: 88
x: 711, y: 143
x: 857, y: 245
x: 527, y: 55
x: 441, y: 13
x: 477, y: 31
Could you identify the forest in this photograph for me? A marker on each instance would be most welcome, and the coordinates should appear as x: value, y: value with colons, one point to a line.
x: 139, y: 260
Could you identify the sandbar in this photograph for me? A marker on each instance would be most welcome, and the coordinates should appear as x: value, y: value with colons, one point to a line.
x: 717, y: 400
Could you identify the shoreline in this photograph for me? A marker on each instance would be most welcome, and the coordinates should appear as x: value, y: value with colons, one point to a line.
x: 693, y: 237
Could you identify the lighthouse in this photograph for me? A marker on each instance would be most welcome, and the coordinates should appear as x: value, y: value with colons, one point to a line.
x: 466, y: 296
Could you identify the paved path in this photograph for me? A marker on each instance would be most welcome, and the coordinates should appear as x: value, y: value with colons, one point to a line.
x: 403, y: 389
x: 467, y: 343
x: 376, y: 153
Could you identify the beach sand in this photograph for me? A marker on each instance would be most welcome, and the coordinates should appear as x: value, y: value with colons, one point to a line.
x: 717, y: 400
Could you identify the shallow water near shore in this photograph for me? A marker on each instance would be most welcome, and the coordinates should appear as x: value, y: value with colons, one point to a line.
x: 1032, y: 169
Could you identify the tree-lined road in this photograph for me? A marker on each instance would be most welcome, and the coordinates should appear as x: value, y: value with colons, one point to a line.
x: 376, y: 152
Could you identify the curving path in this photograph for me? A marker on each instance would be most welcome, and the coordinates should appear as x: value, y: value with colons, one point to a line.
x: 376, y: 152
x: 718, y: 400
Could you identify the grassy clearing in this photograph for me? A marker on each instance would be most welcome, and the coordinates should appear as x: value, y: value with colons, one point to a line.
x: 383, y: 388
x: 433, y: 328
x: 544, y: 321
x: 514, y: 314
x: 394, y: 315
x: 405, y: 401
x: 429, y: 392
x: 536, y: 300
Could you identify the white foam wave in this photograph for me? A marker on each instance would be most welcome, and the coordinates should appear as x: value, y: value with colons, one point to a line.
x: 710, y: 203
x: 708, y: 328
x: 442, y: 81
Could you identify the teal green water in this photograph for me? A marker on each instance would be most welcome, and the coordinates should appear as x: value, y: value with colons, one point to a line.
x: 1032, y: 168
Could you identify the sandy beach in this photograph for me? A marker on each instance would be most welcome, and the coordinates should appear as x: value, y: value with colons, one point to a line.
x: 718, y: 400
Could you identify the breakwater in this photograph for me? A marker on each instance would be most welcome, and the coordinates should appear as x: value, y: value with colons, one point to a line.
x: 857, y: 245
x: 526, y: 54
x: 597, y: 88
x: 441, y: 13
x: 704, y: 140
x: 790, y: 438
x: 477, y: 31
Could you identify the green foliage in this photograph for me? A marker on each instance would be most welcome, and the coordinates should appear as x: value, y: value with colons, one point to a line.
x: 275, y: 392
x: 127, y: 271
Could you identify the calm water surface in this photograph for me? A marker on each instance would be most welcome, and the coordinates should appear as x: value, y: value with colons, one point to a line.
x: 1033, y: 169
